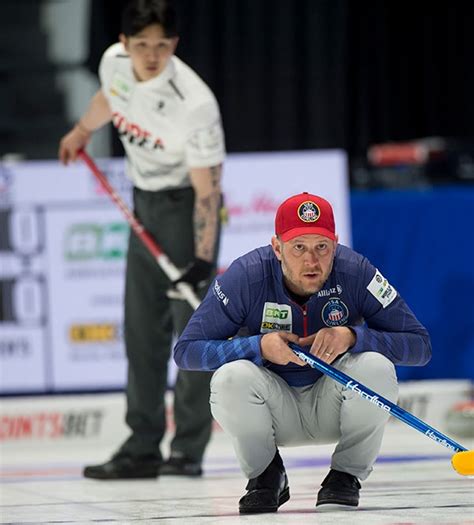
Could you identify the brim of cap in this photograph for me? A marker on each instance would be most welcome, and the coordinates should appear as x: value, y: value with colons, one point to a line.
x: 307, y: 230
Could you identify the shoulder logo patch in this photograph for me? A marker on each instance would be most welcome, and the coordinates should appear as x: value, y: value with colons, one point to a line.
x: 382, y: 290
x: 221, y: 296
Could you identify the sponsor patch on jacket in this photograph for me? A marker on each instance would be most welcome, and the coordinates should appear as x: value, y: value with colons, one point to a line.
x: 335, y: 312
x: 276, y: 317
x: 326, y: 292
x: 207, y: 141
x: 381, y: 289
x: 120, y: 87
x: 217, y: 290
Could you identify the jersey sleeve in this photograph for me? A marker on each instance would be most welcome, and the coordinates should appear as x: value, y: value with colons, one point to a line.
x: 209, y: 341
x: 204, y: 145
x: 390, y: 328
x: 106, y: 65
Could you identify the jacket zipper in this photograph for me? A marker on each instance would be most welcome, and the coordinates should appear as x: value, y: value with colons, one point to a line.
x: 305, y: 316
x: 305, y: 321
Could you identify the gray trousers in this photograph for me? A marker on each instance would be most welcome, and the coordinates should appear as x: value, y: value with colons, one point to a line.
x: 151, y: 319
x: 260, y: 411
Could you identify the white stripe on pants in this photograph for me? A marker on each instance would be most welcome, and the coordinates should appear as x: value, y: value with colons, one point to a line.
x: 260, y: 411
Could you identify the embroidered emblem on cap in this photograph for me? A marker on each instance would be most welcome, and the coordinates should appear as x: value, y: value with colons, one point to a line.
x: 308, y: 211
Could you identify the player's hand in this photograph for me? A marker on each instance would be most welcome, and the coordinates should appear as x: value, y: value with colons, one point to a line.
x: 329, y: 343
x: 196, y: 273
x: 71, y: 143
x: 274, y: 348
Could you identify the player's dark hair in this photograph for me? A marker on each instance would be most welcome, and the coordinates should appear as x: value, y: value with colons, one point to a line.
x: 139, y: 14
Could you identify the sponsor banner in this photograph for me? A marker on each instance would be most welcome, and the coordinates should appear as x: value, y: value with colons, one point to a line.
x: 62, y: 258
x: 87, y: 250
x: 432, y: 400
x: 255, y: 184
x: 98, y: 420
x: 63, y: 419
x: 22, y: 358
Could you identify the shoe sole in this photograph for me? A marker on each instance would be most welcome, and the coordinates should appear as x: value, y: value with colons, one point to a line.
x: 117, y: 476
x: 329, y: 506
x: 181, y: 474
x: 284, y: 497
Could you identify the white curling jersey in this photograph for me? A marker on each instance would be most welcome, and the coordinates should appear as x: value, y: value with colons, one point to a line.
x: 167, y: 124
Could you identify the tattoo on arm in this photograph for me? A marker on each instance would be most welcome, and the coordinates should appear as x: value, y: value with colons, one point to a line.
x: 206, y: 217
x: 215, y: 172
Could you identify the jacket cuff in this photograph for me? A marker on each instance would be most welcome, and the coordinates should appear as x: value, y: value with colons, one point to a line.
x: 359, y: 332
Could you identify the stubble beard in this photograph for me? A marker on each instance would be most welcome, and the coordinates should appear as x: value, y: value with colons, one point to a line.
x: 297, y: 285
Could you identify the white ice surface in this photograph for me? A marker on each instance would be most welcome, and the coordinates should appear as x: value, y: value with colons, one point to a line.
x: 413, y: 482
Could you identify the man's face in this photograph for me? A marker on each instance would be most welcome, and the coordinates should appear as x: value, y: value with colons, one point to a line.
x: 306, y: 262
x: 150, y: 51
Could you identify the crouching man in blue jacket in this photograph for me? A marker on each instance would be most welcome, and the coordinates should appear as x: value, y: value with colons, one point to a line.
x: 307, y: 289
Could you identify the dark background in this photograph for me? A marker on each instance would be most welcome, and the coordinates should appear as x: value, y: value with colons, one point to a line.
x: 304, y: 74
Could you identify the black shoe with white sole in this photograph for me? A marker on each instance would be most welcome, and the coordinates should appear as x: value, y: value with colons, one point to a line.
x: 339, y: 489
x: 266, y: 492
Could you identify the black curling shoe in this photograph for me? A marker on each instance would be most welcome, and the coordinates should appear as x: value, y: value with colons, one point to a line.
x: 125, y: 467
x: 339, y: 488
x: 181, y: 466
x: 266, y: 492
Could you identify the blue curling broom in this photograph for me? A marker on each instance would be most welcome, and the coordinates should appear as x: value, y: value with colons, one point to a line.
x: 462, y: 460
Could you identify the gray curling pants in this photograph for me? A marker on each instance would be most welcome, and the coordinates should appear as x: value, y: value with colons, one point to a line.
x: 151, y: 319
x: 260, y: 411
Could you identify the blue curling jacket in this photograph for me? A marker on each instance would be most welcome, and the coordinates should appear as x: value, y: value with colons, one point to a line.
x: 251, y: 295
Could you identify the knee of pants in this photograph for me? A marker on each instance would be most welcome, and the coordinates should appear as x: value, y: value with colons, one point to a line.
x: 375, y: 371
x: 233, y: 381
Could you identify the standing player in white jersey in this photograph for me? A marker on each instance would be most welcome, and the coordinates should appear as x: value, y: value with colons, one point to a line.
x: 169, y: 123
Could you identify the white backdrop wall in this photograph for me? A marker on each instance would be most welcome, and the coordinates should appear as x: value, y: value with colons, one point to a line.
x: 62, y: 257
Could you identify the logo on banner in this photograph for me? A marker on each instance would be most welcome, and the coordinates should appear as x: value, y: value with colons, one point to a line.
x: 51, y: 425
x: 95, y: 333
x: 335, y: 313
x: 276, y: 317
x: 92, y: 241
x: 14, y: 348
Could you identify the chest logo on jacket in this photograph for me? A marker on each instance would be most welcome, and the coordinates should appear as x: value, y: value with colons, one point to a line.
x: 335, y: 312
x: 135, y: 134
x: 330, y: 291
x: 120, y: 87
x: 276, y: 317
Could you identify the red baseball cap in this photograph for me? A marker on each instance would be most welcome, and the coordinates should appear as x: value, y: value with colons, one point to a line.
x: 303, y: 214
